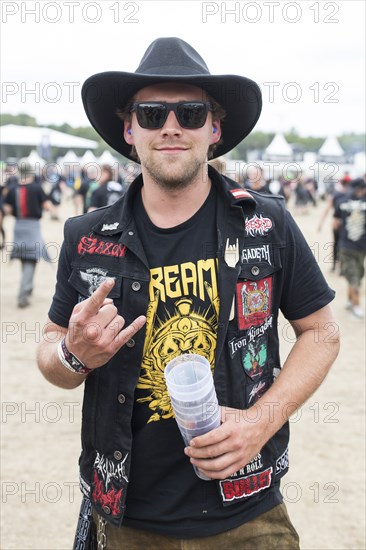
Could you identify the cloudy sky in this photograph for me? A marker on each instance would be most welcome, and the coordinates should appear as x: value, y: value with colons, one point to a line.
x: 308, y: 57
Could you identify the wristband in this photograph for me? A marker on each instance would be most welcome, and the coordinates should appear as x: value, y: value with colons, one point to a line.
x: 69, y: 360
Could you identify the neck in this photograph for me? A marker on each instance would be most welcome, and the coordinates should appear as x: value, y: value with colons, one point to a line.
x: 170, y: 207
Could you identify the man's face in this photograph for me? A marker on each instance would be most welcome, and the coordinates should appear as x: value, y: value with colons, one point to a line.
x: 172, y: 156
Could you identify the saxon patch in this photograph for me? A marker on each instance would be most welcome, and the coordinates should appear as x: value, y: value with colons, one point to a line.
x: 93, y: 245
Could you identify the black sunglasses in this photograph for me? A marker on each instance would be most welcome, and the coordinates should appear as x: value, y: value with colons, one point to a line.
x: 153, y: 114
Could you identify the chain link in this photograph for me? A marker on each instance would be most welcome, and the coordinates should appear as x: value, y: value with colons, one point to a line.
x: 101, y: 535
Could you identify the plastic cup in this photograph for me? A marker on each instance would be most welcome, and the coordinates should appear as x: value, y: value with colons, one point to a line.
x: 193, y: 397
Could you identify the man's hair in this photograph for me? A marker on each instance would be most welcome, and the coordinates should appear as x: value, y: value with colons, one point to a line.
x: 107, y: 168
x: 218, y: 113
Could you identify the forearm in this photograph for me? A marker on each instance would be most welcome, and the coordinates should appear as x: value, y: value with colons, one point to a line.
x: 304, y: 370
x: 50, y: 365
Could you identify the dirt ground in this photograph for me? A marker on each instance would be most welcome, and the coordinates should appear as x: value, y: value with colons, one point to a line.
x: 40, y: 424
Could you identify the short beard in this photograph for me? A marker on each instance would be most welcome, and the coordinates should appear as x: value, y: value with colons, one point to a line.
x: 167, y: 182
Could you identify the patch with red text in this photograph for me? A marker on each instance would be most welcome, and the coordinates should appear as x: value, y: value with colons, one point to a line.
x: 253, y: 302
x: 246, y: 486
x: 258, y: 225
x: 93, y: 245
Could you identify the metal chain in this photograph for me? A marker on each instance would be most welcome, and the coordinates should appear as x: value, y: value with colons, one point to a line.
x: 101, y: 535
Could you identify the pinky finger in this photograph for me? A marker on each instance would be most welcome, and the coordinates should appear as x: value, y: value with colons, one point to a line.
x: 124, y: 335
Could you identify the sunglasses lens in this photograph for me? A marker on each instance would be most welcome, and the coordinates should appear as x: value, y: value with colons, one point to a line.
x: 192, y: 115
x: 151, y: 116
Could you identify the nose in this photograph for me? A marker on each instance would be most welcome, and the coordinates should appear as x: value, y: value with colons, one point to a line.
x: 171, y: 126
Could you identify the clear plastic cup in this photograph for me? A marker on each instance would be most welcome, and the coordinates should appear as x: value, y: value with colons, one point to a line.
x: 193, y: 397
x: 200, y: 413
x: 190, y: 422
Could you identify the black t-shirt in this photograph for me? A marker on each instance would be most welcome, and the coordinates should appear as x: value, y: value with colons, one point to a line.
x: 26, y: 200
x: 164, y: 493
x: 352, y: 211
x: 107, y: 194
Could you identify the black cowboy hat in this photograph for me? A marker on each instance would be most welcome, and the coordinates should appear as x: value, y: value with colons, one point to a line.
x: 171, y: 60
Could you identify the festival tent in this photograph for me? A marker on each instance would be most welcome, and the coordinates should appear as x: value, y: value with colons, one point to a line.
x: 107, y: 158
x: 16, y: 139
x: 331, y: 148
x: 33, y: 159
x: 278, y: 148
x: 87, y: 158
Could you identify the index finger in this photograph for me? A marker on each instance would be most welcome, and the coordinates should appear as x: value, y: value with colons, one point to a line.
x: 95, y: 302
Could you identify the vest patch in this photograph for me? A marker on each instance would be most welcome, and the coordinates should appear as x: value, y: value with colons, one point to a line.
x: 246, y: 486
x: 253, y: 302
x: 258, y: 225
x: 93, y: 245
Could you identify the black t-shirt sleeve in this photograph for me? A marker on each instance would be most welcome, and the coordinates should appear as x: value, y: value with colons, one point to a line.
x: 42, y: 195
x: 96, y: 199
x: 10, y: 198
x: 65, y: 297
x: 305, y: 289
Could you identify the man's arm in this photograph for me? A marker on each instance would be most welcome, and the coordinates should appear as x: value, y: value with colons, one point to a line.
x: 96, y: 332
x: 242, y: 434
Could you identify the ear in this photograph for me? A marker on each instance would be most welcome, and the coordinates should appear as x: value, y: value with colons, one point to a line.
x: 216, y: 131
x: 127, y: 133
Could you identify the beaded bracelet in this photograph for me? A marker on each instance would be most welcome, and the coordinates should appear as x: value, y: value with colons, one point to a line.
x: 69, y: 360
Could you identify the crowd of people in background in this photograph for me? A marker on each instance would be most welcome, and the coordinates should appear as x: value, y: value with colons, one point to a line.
x: 95, y: 186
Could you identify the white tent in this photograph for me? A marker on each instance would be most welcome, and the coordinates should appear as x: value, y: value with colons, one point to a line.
x: 87, y: 158
x: 33, y: 159
x: 70, y: 158
x: 278, y: 147
x: 107, y: 158
x: 12, y: 134
x: 331, y: 148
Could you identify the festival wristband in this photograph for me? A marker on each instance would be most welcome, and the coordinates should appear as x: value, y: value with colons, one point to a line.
x: 69, y: 360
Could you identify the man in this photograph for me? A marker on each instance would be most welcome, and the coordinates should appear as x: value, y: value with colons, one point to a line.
x: 26, y: 201
x: 208, y: 266
x: 350, y: 218
x: 336, y: 194
x: 108, y: 190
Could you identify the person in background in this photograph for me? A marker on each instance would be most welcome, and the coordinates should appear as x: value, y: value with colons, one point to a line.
x: 350, y: 217
x: 26, y: 201
x: 334, y: 196
x: 256, y: 181
x: 58, y: 186
x: 108, y: 191
x: 185, y: 262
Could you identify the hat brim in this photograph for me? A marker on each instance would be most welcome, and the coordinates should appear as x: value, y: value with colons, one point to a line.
x: 104, y: 93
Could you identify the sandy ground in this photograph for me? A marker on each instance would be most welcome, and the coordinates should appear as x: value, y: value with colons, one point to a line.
x: 40, y: 424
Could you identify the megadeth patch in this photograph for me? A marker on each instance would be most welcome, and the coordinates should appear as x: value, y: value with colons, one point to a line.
x: 253, y: 302
x: 257, y: 254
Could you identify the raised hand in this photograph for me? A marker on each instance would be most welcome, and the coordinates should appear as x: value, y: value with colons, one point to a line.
x: 96, y: 331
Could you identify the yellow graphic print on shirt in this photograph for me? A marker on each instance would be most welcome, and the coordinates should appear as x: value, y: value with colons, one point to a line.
x: 182, y: 317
